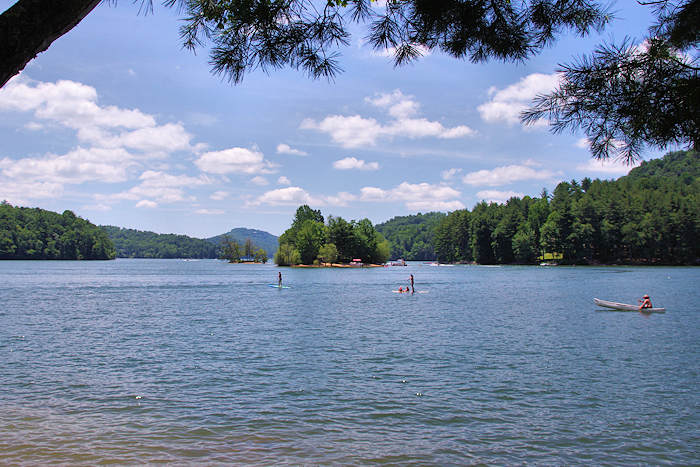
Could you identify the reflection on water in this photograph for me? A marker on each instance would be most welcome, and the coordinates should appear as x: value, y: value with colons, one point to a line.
x: 145, y: 361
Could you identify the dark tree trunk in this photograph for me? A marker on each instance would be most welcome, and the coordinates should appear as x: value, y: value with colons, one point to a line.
x: 30, y: 26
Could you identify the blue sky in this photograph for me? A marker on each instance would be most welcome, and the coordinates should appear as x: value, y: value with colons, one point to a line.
x: 121, y: 125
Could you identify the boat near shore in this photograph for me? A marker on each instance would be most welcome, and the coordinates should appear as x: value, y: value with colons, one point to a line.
x: 626, y: 307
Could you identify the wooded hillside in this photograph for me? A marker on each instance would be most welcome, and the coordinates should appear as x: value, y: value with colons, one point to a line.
x: 33, y: 233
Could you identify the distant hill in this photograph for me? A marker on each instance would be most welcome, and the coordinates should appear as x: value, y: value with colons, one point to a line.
x: 131, y: 243
x: 260, y: 238
x: 33, y: 233
x: 411, y: 237
x: 680, y: 164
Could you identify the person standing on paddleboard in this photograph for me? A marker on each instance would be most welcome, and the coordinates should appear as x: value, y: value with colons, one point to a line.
x: 413, y: 290
x: 279, y: 279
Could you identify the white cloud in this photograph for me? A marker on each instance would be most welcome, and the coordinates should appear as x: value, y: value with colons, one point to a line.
x: 292, y: 195
x: 113, y: 141
x: 70, y: 104
x: 357, y: 131
x: 33, y: 126
x: 97, y: 207
x: 507, y: 174
x: 283, y: 181
x: 449, y: 174
x: 260, y: 181
x: 158, y: 186
x: 286, y: 149
x: 397, y: 104
x: 145, y: 203
x: 350, y: 163
x: 78, y: 166
x: 219, y: 195
x: 497, y: 196
x: 213, y: 212
x: 21, y: 192
x: 506, y: 104
x: 435, y: 205
x: 582, y: 143
x: 608, y: 167
x: 420, y: 196
x: 349, y: 132
x: 234, y: 160
x: 341, y: 199
x: 75, y: 105
x: 295, y: 195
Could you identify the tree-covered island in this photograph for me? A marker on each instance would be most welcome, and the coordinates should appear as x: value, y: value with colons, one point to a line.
x: 310, y: 241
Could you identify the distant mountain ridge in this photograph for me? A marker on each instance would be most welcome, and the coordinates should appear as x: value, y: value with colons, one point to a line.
x: 260, y: 238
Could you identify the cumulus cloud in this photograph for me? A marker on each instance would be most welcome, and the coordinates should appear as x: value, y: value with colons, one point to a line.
x: 286, y: 149
x: 111, y: 141
x: 449, y: 174
x: 507, y: 174
x: 159, y: 186
x: 350, y: 163
x: 234, y: 160
x: 260, y: 181
x: 21, y: 192
x: 607, y: 167
x: 420, y: 196
x: 283, y: 181
x: 507, y: 104
x: 219, y: 195
x: 357, y: 131
x: 292, y: 195
x: 497, y: 196
x: 213, y: 212
x: 145, y: 203
x: 75, y: 105
x: 78, y: 166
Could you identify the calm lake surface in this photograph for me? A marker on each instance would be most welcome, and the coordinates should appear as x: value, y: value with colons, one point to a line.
x: 200, y: 362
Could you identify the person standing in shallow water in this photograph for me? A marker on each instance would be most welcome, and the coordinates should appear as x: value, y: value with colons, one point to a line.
x: 279, y: 279
x: 413, y: 290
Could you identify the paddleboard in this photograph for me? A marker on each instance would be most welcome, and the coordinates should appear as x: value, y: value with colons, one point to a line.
x: 411, y: 293
x: 278, y: 286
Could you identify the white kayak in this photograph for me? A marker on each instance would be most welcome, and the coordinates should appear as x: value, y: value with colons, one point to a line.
x: 626, y: 307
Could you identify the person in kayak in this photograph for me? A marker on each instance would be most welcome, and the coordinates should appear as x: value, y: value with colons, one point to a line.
x: 646, y: 302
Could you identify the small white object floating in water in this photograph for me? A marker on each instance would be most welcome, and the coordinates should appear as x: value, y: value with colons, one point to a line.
x: 625, y: 307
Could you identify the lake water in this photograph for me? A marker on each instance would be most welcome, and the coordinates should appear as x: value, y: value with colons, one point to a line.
x: 200, y: 362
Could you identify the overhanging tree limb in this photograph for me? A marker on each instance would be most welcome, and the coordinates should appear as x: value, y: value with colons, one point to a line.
x: 29, y: 27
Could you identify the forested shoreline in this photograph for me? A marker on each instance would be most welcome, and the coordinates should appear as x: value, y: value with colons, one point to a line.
x: 651, y: 216
x: 131, y: 243
x: 33, y: 233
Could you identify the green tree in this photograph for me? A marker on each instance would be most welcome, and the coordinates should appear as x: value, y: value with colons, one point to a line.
x: 230, y: 250
x: 328, y: 253
x: 260, y: 256
x: 310, y: 236
x: 287, y: 255
x: 524, y: 245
